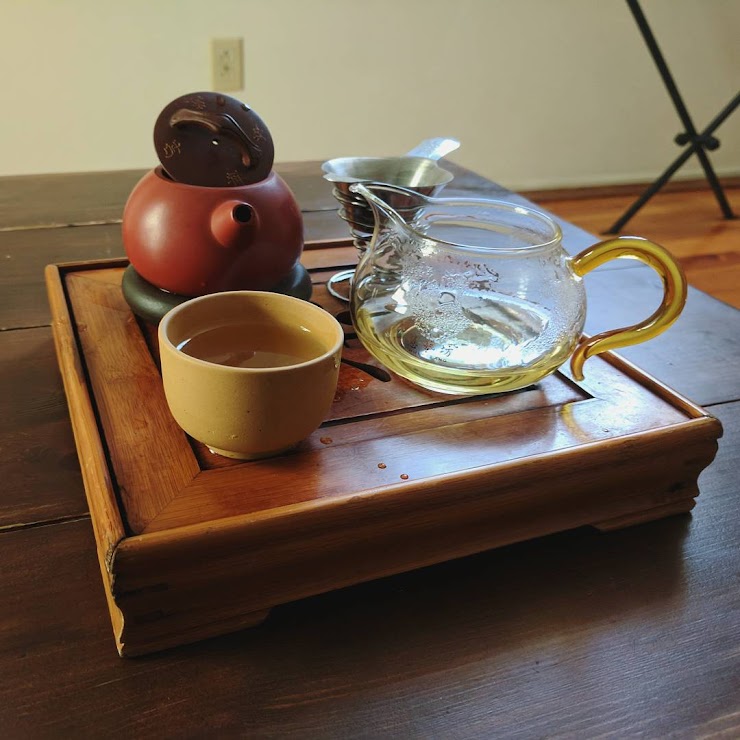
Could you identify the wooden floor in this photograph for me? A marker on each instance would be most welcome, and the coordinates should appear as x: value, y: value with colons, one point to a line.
x: 687, y: 222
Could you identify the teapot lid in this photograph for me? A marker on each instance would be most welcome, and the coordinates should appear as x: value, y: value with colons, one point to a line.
x: 211, y: 139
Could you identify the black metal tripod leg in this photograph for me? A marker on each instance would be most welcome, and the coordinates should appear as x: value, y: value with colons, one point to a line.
x: 697, y: 141
x: 714, y: 183
x: 620, y: 223
x: 675, y: 166
x: 663, y: 70
x: 712, y: 178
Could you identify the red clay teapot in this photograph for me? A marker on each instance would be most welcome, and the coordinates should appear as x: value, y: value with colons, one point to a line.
x: 214, y: 216
x: 191, y: 239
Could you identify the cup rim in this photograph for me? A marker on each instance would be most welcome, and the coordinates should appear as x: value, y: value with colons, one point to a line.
x: 270, y: 296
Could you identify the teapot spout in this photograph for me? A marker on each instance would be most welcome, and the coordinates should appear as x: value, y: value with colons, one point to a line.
x: 230, y: 220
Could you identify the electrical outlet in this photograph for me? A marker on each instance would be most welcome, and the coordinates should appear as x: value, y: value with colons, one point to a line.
x: 227, y: 64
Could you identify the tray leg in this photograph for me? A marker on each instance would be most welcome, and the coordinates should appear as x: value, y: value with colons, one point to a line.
x: 140, y: 639
x: 681, y: 506
x: 254, y: 619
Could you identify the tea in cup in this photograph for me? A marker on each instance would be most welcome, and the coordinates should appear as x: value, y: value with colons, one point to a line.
x: 248, y: 373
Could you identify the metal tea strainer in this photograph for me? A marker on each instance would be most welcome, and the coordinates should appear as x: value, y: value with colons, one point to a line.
x: 416, y: 170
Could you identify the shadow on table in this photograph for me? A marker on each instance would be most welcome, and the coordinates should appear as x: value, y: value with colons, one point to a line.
x: 501, y: 606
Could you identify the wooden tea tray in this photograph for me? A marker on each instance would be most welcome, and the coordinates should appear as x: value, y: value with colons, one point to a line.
x: 193, y: 545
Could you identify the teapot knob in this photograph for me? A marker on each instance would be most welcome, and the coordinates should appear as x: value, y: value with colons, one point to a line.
x: 230, y: 220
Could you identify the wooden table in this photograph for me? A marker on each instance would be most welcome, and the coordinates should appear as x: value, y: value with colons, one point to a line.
x: 631, y: 633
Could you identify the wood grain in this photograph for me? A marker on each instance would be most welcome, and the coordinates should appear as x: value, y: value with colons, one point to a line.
x: 41, y: 475
x: 104, y: 507
x: 25, y: 251
x: 704, y: 339
x: 596, y: 616
x: 129, y: 388
x: 400, y: 454
x: 639, y: 625
x: 470, y: 474
x: 48, y: 201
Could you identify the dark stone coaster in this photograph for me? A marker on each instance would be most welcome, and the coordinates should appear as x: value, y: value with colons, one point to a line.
x: 151, y: 303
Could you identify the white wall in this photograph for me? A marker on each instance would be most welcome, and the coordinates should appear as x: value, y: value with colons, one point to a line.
x: 541, y: 92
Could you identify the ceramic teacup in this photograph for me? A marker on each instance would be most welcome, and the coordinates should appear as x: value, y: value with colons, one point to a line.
x: 248, y: 373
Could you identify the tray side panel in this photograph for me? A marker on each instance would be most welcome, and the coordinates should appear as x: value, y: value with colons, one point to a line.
x: 151, y: 457
x: 99, y: 491
x: 169, y: 583
x: 423, y: 444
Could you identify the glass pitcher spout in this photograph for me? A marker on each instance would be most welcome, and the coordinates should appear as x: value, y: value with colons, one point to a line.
x: 380, y: 209
x: 391, y: 205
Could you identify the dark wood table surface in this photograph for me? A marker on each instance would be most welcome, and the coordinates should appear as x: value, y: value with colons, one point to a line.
x: 582, y: 634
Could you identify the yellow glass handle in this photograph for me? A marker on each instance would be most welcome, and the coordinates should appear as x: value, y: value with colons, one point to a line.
x: 674, y: 295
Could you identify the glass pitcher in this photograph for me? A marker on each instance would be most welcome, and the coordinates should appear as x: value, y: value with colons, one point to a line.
x: 479, y: 296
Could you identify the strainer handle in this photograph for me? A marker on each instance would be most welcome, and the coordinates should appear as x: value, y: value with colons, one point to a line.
x: 434, y: 148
